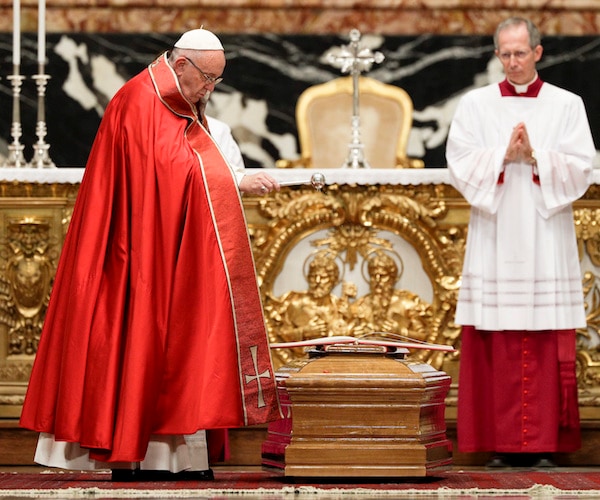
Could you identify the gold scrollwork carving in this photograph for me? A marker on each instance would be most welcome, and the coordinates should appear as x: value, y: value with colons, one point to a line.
x: 588, y: 339
x: 11, y: 399
x: 587, y: 230
x: 25, y: 284
x: 588, y: 233
x: 34, y: 218
x: 15, y: 372
x: 359, y: 224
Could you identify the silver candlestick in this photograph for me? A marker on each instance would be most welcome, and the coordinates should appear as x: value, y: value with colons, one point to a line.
x: 41, y: 157
x: 15, y: 149
x: 355, y: 59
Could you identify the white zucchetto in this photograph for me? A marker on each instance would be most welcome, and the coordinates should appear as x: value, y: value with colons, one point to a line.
x: 199, y: 39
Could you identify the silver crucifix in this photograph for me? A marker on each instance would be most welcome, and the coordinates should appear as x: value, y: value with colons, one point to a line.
x: 355, y: 59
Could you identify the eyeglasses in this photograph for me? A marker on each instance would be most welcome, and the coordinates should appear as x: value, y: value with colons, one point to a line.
x: 519, y: 55
x: 209, y: 79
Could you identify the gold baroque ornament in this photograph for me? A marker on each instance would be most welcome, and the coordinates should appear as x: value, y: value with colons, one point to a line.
x: 360, y: 226
x: 587, y: 231
x: 588, y: 340
x: 26, y: 281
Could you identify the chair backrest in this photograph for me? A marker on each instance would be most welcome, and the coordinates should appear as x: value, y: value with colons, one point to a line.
x: 324, y: 121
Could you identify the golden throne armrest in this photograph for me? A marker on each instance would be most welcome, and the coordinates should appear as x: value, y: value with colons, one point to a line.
x: 406, y: 162
x: 297, y: 163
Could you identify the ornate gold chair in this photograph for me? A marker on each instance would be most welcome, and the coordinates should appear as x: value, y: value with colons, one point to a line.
x: 324, y: 121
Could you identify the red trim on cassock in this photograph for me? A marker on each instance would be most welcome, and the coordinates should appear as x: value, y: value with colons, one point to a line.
x: 517, y: 392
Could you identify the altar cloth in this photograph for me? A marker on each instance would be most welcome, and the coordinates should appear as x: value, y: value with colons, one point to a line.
x: 360, y: 176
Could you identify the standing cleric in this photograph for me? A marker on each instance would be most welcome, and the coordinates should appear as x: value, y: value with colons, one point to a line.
x: 520, y: 152
x: 154, y: 343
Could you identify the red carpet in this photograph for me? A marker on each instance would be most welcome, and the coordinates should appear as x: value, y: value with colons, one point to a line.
x: 66, y: 484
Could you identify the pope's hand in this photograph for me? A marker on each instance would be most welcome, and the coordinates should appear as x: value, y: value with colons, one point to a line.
x: 259, y: 183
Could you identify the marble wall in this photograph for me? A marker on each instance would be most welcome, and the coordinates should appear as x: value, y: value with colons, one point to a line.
x: 390, y: 17
x: 265, y: 74
x: 435, y: 49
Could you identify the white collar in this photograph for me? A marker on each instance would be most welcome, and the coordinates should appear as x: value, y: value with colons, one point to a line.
x: 521, y: 89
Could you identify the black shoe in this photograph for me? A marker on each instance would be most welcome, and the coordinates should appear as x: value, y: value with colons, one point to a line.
x: 498, y: 461
x: 126, y: 475
x: 544, y: 461
x: 195, y: 475
x: 130, y: 475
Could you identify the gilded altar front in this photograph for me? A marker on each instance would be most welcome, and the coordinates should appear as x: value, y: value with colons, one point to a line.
x: 34, y: 217
x: 374, y: 251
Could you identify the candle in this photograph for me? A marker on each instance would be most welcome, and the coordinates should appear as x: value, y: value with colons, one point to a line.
x: 16, y: 32
x: 42, y: 31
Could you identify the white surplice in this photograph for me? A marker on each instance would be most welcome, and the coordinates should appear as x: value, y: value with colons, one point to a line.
x: 172, y: 453
x: 521, y: 269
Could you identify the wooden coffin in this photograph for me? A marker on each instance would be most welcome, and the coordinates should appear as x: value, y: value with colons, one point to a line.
x: 362, y: 414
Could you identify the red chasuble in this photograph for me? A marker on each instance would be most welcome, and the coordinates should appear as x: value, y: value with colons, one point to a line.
x: 155, y: 324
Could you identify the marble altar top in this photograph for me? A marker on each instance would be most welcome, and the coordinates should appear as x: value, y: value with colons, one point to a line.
x: 299, y: 175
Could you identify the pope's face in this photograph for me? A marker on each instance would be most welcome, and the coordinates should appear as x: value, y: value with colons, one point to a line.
x: 197, y: 72
x: 516, y: 55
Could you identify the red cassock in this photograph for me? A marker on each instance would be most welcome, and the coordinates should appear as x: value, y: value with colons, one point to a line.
x: 518, y: 392
x: 155, y: 323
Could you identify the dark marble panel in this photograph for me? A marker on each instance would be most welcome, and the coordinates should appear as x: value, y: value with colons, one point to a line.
x: 265, y: 75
